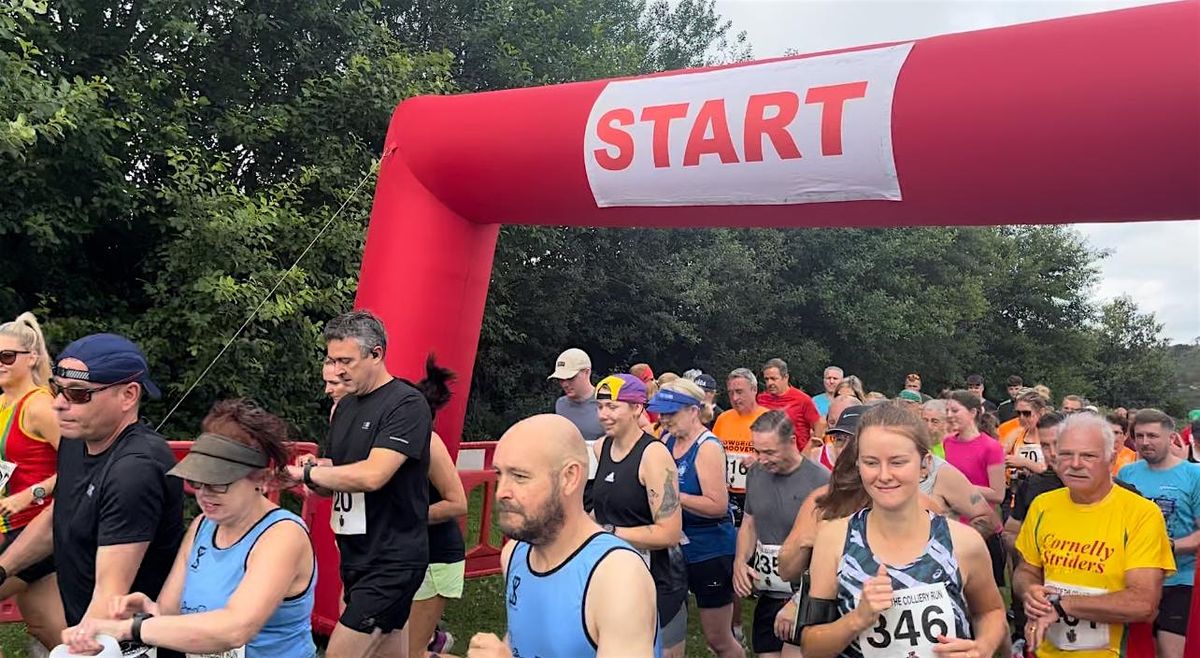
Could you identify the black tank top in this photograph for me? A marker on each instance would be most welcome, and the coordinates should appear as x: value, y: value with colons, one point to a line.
x: 446, y: 545
x: 617, y: 495
x: 619, y: 499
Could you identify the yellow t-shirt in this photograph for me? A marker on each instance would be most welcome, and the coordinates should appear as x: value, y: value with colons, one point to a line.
x: 1086, y: 549
x: 733, y: 429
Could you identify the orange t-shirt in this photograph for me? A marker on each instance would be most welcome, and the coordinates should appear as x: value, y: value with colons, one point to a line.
x: 1010, y: 432
x: 733, y: 429
x: 1123, y: 457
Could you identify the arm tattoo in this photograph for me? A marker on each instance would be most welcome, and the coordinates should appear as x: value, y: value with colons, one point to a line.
x: 976, y: 498
x: 670, y: 499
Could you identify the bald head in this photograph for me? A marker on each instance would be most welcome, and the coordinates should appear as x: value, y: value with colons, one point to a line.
x: 840, y: 404
x: 549, y: 440
x: 542, y: 463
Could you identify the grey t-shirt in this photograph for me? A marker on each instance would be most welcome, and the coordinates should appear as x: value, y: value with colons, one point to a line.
x: 774, y: 501
x: 584, y: 414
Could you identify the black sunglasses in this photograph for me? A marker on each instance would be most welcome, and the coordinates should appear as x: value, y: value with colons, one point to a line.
x: 1024, y: 414
x: 9, y: 357
x: 215, y: 488
x: 78, y: 395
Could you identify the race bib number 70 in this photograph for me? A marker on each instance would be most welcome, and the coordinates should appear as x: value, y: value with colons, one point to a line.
x: 912, y: 626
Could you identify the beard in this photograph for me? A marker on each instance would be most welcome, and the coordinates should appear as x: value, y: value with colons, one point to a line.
x: 539, y: 528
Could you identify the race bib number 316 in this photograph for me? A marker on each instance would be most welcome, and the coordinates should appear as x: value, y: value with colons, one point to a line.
x: 912, y: 626
x: 735, y: 470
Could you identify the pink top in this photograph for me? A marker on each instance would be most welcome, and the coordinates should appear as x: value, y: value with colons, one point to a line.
x: 973, y: 457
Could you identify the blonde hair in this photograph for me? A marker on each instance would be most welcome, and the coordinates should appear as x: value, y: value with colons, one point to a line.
x: 27, y: 330
x: 685, y: 386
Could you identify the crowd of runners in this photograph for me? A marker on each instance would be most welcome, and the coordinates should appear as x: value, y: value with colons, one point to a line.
x: 855, y: 523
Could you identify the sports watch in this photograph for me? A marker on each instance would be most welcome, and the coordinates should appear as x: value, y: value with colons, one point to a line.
x: 1055, y: 599
x: 39, y: 495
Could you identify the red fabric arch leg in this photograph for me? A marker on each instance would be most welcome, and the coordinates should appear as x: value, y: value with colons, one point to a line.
x: 426, y: 276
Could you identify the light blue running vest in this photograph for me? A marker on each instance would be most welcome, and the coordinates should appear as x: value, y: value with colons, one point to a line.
x: 545, y: 610
x: 214, y: 573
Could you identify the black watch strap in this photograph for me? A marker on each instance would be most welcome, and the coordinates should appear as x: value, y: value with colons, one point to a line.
x: 308, y: 467
x: 135, y: 629
x: 1057, y: 603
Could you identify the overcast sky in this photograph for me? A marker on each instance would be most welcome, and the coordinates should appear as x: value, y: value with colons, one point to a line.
x: 1157, y: 263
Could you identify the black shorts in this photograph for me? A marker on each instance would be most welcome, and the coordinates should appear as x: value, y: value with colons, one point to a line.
x: 33, y: 573
x: 712, y: 582
x: 380, y: 597
x: 1173, y: 609
x: 763, y: 638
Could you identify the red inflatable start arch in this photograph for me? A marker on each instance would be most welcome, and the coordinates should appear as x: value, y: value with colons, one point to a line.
x: 1090, y: 118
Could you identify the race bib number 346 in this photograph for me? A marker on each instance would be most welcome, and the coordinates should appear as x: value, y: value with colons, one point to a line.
x: 912, y: 626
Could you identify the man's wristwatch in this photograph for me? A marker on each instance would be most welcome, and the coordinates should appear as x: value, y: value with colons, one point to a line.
x: 135, y: 629
x: 308, y: 467
x: 39, y: 495
x: 1055, y: 600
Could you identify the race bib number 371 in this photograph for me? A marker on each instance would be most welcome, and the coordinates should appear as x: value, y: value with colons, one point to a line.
x: 912, y: 626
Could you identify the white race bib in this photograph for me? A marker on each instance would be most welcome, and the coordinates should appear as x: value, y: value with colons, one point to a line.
x: 239, y: 652
x: 1031, y: 451
x: 911, y: 627
x: 349, y: 515
x: 766, y: 570
x: 1072, y: 634
x: 735, y: 471
x: 6, y: 471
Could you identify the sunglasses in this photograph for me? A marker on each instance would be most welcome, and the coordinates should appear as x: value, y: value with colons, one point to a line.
x: 78, y: 395
x: 213, y: 488
x: 9, y: 357
x: 1024, y: 414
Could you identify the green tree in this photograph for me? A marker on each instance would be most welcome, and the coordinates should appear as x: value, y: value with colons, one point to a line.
x: 170, y: 160
x: 1132, y: 366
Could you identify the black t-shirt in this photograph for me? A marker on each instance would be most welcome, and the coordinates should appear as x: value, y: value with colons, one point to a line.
x: 1006, y: 411
x: 395, y: 518
x: 1040, y: 483
x: 121, y: 496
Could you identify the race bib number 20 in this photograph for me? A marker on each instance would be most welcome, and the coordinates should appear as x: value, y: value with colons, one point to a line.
x: 349, y: 515
x: 912, y: 626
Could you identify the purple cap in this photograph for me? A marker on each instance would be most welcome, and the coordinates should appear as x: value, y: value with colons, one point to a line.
x: 622, y: 387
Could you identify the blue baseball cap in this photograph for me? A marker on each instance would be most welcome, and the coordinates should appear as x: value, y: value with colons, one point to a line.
x: 668, y: 402
x: 110, y: 359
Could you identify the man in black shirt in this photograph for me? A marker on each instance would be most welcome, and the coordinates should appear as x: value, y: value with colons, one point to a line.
x: 379, y: 478
x: 117, y: 521
x: 1006, y: 410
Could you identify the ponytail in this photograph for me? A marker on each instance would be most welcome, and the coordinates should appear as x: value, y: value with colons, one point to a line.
x: 27, y: 330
